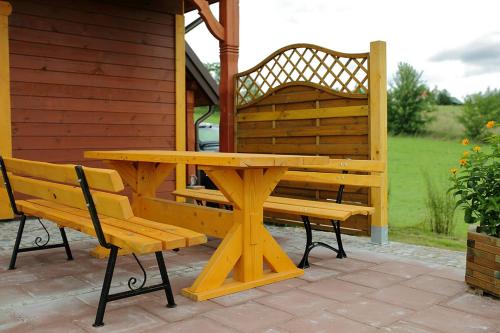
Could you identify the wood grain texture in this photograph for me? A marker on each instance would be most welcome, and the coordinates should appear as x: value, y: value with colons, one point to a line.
x: 88, y: 74
x: 289, y: 112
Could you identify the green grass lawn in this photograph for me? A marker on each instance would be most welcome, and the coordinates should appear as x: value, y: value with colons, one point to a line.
x: 213, y: 119
x: 409, y: 159
x: 446, y: 125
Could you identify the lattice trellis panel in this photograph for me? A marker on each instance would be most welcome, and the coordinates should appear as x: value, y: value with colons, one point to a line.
x: 344, y: 73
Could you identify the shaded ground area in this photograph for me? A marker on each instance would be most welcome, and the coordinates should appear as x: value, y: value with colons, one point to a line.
x: 376, y: 289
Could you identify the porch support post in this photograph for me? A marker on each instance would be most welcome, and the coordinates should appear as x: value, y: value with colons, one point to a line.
x: 229, y: 50
x: 378, y: 137
x: 5, y: 111
x: 180, y: 95
x: 227, y: 32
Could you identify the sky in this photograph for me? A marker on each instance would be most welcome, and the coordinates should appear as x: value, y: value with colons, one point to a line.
x: 455, y: 43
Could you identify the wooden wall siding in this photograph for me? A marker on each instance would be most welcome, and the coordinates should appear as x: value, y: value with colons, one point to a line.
x: 301, y: 116
x: 90, y: 75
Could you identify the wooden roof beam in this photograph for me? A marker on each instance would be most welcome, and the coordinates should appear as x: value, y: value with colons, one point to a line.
x: 214, y: 26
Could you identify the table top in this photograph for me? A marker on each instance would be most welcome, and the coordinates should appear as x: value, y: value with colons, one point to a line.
x: 237, y: 160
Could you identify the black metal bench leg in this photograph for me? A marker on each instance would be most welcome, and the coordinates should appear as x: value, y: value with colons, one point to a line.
x: 336, y: 227
x: 106, y: 286
x: 304, y: 263
x: 15, y: 251
x: 165, y: 280
x: 66, y: 243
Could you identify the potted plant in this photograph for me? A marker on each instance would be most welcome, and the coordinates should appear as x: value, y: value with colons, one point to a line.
x: 476, y: 186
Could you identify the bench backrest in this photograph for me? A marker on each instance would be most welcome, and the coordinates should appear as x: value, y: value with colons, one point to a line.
x: 59, y: 183
x: 338, y: 172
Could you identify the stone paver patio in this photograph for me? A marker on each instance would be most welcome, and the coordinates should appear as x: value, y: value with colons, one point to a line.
x: 395, y: 288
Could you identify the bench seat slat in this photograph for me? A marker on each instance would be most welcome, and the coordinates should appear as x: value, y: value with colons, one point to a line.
x: 320, y: 209
x: 192, y: 237
x: 122, y: 238
x: 307, y: 211
x: 171, y: 236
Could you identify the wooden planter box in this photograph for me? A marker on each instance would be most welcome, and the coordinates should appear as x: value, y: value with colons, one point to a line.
x: 483, y: 263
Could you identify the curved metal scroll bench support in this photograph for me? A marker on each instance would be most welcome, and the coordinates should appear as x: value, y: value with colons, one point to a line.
x: 38, y: 240
x: 105, y: 295
x: 304, y: 263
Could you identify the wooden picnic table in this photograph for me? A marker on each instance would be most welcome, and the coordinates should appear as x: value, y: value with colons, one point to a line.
x: 246, y: 180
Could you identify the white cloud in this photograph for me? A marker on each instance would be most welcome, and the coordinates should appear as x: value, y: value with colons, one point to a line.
x: 414, y: 32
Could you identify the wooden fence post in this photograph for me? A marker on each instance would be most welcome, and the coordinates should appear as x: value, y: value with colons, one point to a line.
x: 5, y: 112
x: 378, y: 137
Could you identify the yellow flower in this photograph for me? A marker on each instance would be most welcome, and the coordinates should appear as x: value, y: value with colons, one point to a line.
x: 490, y: 124
x: 465, y: 142
x: 476, y: 149
x: 463, y: 162
x: 453, y: 170
x: 466, y: 154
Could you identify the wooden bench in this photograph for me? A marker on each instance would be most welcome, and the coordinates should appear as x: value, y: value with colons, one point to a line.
x: 336, y: 172
x: 85, y: 199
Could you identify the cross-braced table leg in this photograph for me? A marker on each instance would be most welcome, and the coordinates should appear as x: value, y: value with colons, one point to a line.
x: 248, y: 244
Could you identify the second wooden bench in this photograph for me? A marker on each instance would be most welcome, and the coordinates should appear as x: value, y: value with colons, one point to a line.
x: 337, y: 172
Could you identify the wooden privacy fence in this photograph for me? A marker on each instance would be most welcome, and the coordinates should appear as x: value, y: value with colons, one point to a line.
x: 306, y: 99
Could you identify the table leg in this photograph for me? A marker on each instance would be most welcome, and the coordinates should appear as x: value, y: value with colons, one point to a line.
x: 248, y: 244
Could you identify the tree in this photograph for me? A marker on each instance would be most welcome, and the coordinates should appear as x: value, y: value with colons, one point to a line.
x: 478, y: 109
x: 410, y: 103
x: 214, y: 69
x: 443, y: 97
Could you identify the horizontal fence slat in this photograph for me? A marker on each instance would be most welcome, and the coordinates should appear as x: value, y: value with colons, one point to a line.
x: 347, y: 111
x: 307, y: 149
x: 356, y: 129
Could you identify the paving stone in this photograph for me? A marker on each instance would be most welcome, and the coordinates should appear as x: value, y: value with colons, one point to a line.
x: 344, y: 265
x: 240, y: 297
x: 370, y: 256
x: 271, y: 330
x: 52, y: 288
x: 297, y: 302
x: 46, y: 313
x: 185, y: 309
x: 406, y: 327
x: 9, y: 321
x: 403, y: 269
x: 315, y: 273
x: 326, y: 322
x: 436, y: 285
x: 479, y: 305
x: 204, y: 325
x: 62, y: 326
x: 282, y: 286
x: 66, y: 268
x: 337, y: 289
x: 449, y: 320
x: 127, y: 319
x: 452, y: 273
x: 406, y: 297
x: 12, y: 296
x: 92, y: 299
x: 17, y: 276
x: 371, y: 278
x: 248, y: 317
x: 370, y: 312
